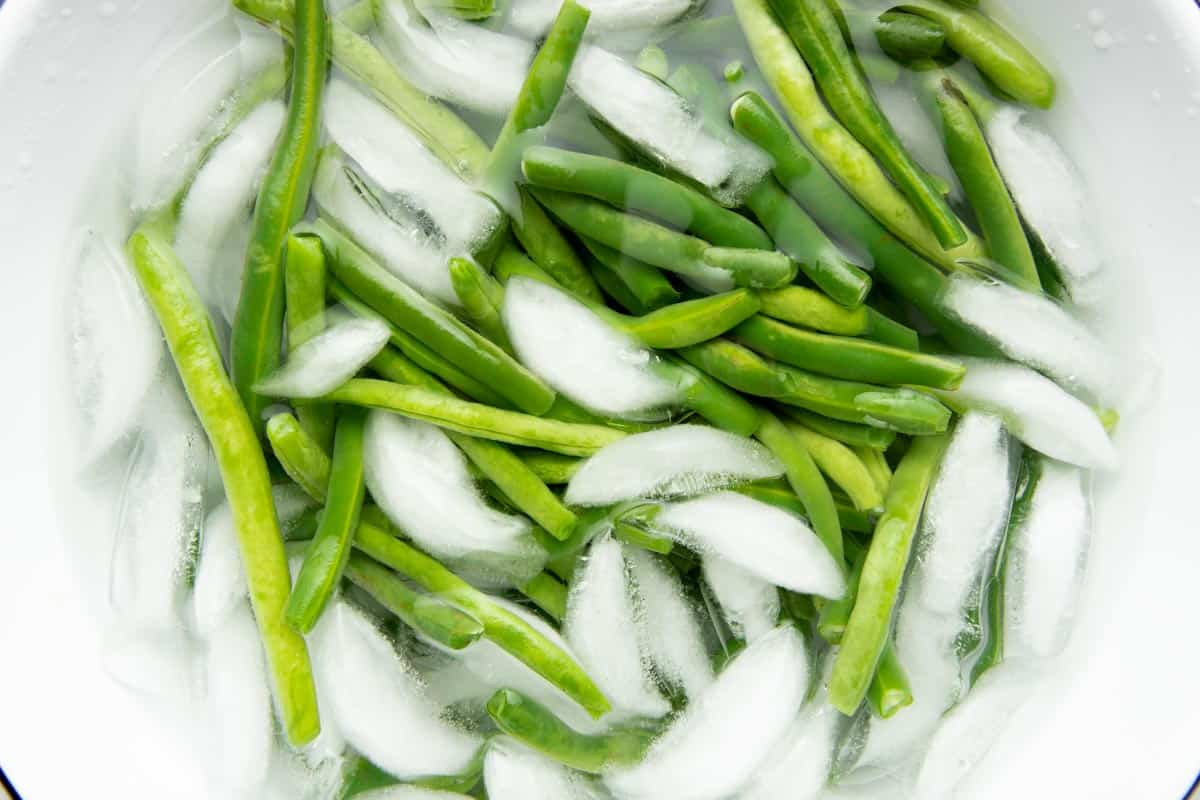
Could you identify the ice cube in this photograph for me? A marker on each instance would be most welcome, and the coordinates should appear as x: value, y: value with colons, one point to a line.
x: 1050, y: 194
x: 1045, y: 562
x: 682, y: 460
x: 420, y: 480
x: 969, y: 731
x: 239, y: 702
x: 668, y: 624
x: 159, y: 663
x: 602, y: 629
x: 379, y: 703
x: 222, y: 194
x: 578, y: 354
x: 409, y: 793
x: 161, y: 512
x: 713, y: 748
x: 467, y: 64
x: 798, y: 766
x: 326, y: 361
x: 514, y: 772
x: 763, y: 540
x: 749, y: 604
x: 115, y: 347
x: 965, y: 515
x: 532, y: 18
x: 1034, y: 330
x: 1037, y: 411
x: 396, y: 160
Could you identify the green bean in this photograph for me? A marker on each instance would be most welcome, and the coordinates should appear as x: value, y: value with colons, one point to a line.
x: 723, y: 408
x: 904, y: 37
x: 552, y: 468
x: 441, y: 622
x: 325, y: 557
x: 645, y: 289
x: 360, y: 777
x: 473, y: 10
x: 547, y: 593
x: 304, y: 291
x: 797, y: 235
x: 501, y: 626
x: 647, y: 540
x: 806, y: 482
x: 481, y: 298
x: 438, y: 330
x: 537, y: 728
x: 641, y: 192
x: 846, y: 357
x: 806, y: 179
x: 969, y: 154
x: 779, y: 493
x: 999, y: 56
x: 302, y: 457
x: 476, y: 420
x: 760, y: 269
x: 511, y: 262
x: 257, y: 336
x: 814, y: 29
x: 885, y: 330
x: 867, y: 632
x: 811, y: 309
x: 189, y: 334
x: 661, y: 247
x: 889, y: 690
x: 412, y: 348
x: 831, y: 623
x: 842, y: 466
x: 856, y: 170
x: 856, y: 436
x: 876, y: 464
x: 690, y: 322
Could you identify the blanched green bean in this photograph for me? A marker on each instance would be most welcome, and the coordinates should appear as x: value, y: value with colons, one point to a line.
x: 779, y: 493
x: 547, y: 593
x: 811, y: 309
x: 481, y: 298
x: 302, y: 457
x: 634, y: 284
x: 868, y: 630
x: 876, y: 464
x: 885, y: 330
x: 889, y: 691
x: 842, y: 466
x: 725, y: 409
x: 831, y: 624
x: 690, y: 322
x: 858, y: 436
x: 304, y: 292
x: 502, y: 627
x: 552, y: 468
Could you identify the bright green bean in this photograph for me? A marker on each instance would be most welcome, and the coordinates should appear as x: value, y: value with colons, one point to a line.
x: 302, y: 457
x: 868, y: 630
x: 790, y: 79
x: 631, y: 534
x: 635, y: 284
x: 806, y: 482
x: 831, y: 624
x: 779, y: 493
x: 501, y: 626
x: 536, y: 727
x: 991, y: 48
x: 845, y: 357
x: 547, y: 593
x: 797, y: 235
x: 476, y: 420
x: 856, y: 436
x: 709, y: 398
x: 552, y: 468
x: 842, y: 466
x: 440, y: 621
x: 690, y: 322
x: 811, y: 309
x: 257, y: 336
x: 814, y: 187
x: 876, y: 464
x: 325, y: 558
x: 885, y: 330
x: 481, y: 298
x: 814, y: 29
x: 189, y: 334
x: 641, y: 192
x: 759, y: 269
x: 889, y: 690
x: 439, y: 331
x: 549, y: 249
x: 304, y: 292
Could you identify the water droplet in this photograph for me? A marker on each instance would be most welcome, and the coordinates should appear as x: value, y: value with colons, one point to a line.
x: 107, y: 9
x: 1097, y: 17
x: 1103, y: 40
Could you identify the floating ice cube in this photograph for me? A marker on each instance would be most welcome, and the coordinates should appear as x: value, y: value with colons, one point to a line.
x: 420, y: 480
x: 116, y: 345
x: 1045, y: 563
x: 798, y: 766
x: 578, y: 354
x: 467, y: 64
x: 1050, y: 194
x: 239, y: 703
x: 602, y: 630
x: 1037, y: 411
x: 222, y: 194
x: 514, y: 772
x: 389, y: 152
x: 649, y: 113
x: 713, y: 748
x: 1032, y: 329
x: 668, y: 624
x: 763, y: 540
x: 161, y: 513
x: 681, y: 460
x: 749, y: 604
x: 969, y: 731
x: 379, y: 703
x: 965, y: 515
x: 532, y: 18
x: 327, y: 360
x: 397, y: 240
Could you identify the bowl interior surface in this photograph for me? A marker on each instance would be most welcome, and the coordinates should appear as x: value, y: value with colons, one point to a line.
x: 1118, y: 716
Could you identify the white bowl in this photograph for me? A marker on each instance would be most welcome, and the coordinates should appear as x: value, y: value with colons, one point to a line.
x: 1119, y: 717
